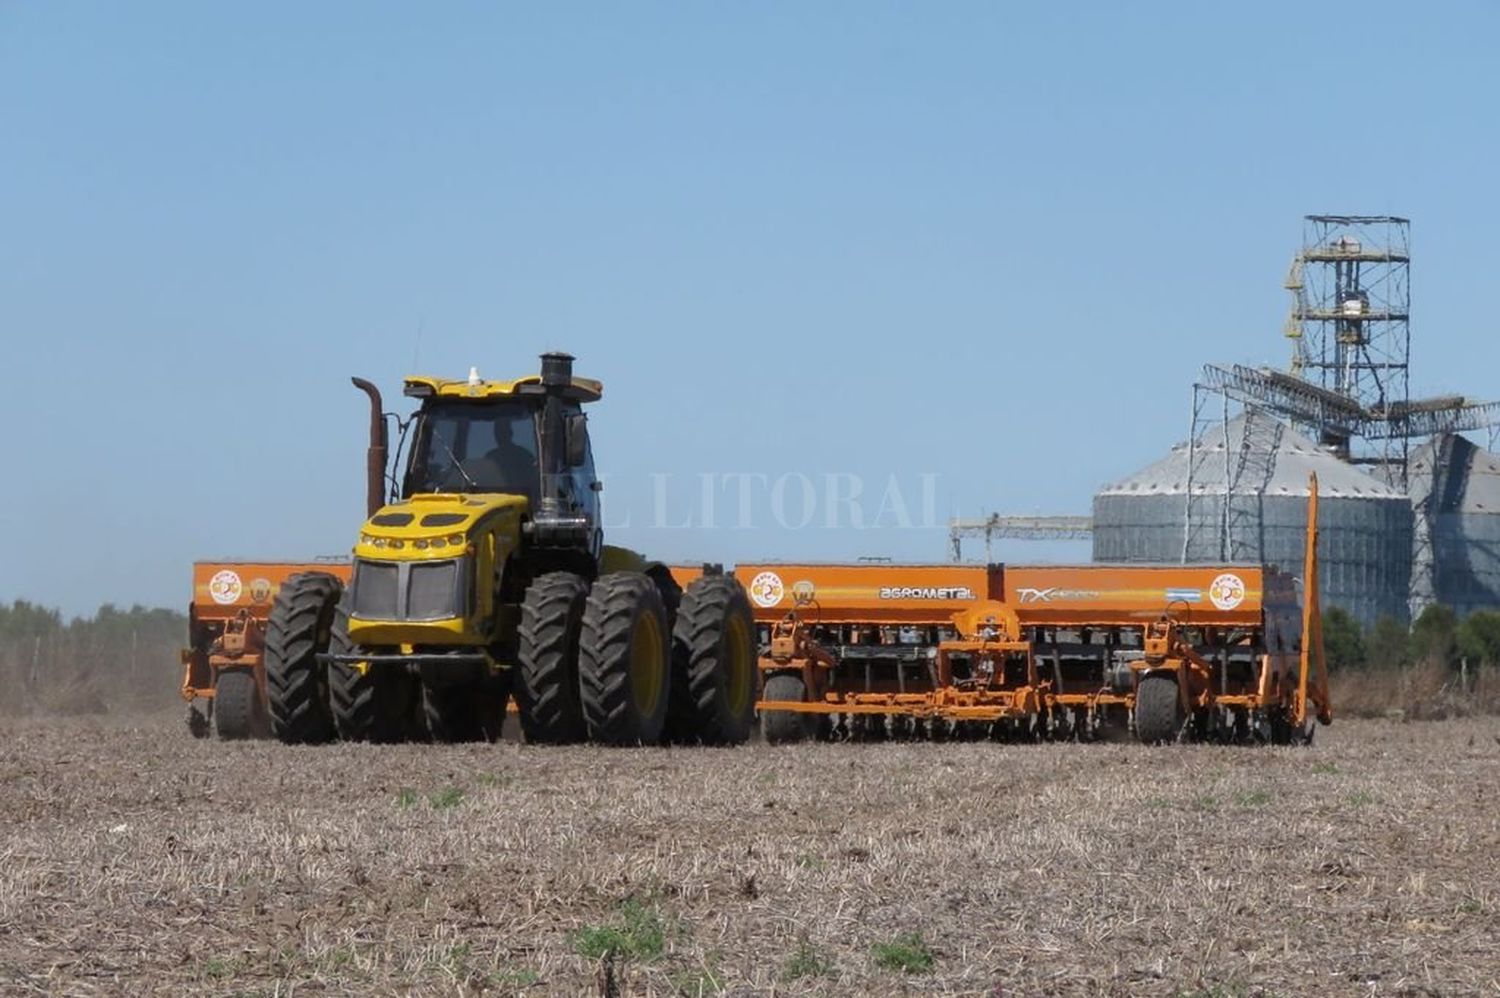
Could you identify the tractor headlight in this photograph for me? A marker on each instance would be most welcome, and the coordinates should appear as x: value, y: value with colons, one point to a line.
x: 455, y: 538
x: 420, y: 544
x: 379, y: 542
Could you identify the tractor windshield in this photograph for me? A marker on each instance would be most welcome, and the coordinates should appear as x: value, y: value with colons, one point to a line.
x: 464, y: 446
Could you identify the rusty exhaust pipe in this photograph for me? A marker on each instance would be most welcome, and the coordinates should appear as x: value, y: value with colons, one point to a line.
x: 376, y: 455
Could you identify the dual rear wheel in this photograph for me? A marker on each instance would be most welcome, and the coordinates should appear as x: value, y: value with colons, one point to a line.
x: 610, y: 664
x: 714, y: 663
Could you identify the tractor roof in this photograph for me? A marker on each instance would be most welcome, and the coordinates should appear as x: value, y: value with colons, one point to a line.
x: 423, y: 386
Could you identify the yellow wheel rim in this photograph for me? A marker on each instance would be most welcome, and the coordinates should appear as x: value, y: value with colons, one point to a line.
x: 739, y: 673
x: 647, y: 664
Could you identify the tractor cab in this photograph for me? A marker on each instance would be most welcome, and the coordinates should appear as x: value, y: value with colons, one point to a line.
x: 526, y: 438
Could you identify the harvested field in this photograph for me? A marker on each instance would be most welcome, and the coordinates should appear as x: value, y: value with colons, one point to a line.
x: 136, y: 860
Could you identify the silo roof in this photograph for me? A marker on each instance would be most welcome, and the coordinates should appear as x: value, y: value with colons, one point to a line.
x: 1471, y: 482
x: 1277, y: 462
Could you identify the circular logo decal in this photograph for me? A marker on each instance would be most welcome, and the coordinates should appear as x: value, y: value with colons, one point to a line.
x: 766, y: 589
x: 1227, y: 592
x: 225, y: 587
x: 803, y: 592
x: 260, y: 590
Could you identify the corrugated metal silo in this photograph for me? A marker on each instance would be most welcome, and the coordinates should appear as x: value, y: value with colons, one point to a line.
x: 1249, y: 493
x: 1464, y: 509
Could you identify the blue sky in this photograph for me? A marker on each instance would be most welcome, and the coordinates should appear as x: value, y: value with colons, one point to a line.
x: 990, y: 243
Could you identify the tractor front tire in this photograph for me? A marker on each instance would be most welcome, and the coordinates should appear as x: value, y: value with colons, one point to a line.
x: 464, y: 712
x: 237, y: 710
x: 1158, y: 709
x: 546, y: 674
x: 298, y: 630
x: 372, y: 704
x: 624, y: 665
x: 713, y: 664
x: 783, y: 727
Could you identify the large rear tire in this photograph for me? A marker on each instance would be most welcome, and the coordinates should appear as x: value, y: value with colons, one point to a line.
x: 298, y: 630
x: 1158, y: 709
x: 783, y: 727
x: 713, y: 664
x: 546, y: 681
x: 237, y: 708
x: 623, y: 663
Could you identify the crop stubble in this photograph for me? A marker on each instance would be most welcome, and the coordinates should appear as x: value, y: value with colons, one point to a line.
x: 134, y: 859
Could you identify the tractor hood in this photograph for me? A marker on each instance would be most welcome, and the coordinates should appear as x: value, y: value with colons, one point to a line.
x: 418, y: 566
x: 437, y: 526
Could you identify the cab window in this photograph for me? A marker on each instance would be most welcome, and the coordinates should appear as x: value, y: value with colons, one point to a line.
x: 464, y: 446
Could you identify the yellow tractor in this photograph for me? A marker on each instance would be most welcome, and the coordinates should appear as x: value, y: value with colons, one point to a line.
x: 484, y: 575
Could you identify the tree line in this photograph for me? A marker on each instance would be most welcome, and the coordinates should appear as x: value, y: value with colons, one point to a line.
x: 111, y: 661
x: 1436, y: 636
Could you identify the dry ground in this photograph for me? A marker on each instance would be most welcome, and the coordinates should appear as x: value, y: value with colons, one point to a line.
x: 134, y: 860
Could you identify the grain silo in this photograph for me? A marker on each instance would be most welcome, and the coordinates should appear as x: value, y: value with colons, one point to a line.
x: 1248, y: 480
x: 1456, y: 558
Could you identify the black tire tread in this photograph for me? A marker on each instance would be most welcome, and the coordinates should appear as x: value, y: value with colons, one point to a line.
x: 236, y: 711
x: 296, y: 631
x: 546, y: 680
x: 699, y: 709
x: 465, y: 712
x: 785, y: 727
x: 359, y: 699
x: 1158, y: 709
x: 451, y: 713
x: 609, y: 709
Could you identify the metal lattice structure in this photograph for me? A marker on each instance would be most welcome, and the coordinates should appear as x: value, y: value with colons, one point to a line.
x: 1350, y: 320
x: 1030, y: 528
x: 1231, y: 460
x: 1347, y: 386
x: 1340, y: 419
x: 1253, y: 465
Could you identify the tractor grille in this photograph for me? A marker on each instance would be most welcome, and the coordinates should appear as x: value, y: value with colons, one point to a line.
x: 423, y: 590
x: 375, y: 589
x: 432, y: 591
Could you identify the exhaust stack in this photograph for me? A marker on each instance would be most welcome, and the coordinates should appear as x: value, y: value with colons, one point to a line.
x: 375, y: 456
x: 557, y: 375
x: 557, y: 370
